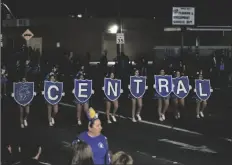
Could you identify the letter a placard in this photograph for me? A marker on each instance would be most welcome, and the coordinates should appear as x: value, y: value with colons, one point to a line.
x: 83, y: 90
x: 112, y: 88
x: 181, y: 86
x: 53, y: 92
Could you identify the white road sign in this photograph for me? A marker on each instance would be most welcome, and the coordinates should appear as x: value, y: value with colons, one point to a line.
x: 27, y: 35
x: 183, y: 16
x: 120, y: 39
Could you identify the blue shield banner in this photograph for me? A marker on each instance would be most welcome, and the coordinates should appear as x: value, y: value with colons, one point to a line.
x: 203, y: 89
x: 163, y: 85
x: 53, y: 92
x: 112, y: 88
x: 181, y: 86
x: 23, y: 92
x: 82, y: 90
x: 137, y: 86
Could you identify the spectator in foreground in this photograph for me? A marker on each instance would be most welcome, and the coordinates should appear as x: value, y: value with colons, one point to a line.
x: 30, y: 155
x: 121, y: 158
x: 81, y: 154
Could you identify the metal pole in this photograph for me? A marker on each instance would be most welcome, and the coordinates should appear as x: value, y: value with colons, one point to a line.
x: 182, y: 43
x: 120, y: 45
x: 119, y: 22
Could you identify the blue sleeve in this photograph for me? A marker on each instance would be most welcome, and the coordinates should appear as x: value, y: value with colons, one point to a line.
x: 107, y: 156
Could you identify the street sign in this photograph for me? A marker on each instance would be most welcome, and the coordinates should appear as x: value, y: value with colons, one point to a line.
x: 120, y: 39
x: 27, y: 35
x: 183, y: 16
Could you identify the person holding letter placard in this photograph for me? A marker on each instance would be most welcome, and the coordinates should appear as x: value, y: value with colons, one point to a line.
x: 178, y: 102
x: 200, y: 104
x: 23, y: 94
x: 52, y: 109
x: 111, y: 75
x: 163, y: 102
x: 134, y: 101
x: 79, y: 105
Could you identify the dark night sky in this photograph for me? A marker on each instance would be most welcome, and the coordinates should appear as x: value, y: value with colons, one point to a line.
x: 207, y: 12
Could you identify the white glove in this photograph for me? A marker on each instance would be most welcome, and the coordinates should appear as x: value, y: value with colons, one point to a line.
x: 93, y: 91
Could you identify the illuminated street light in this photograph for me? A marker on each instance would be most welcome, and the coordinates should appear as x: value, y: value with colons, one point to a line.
x: 79, y: 15
x: 8, y: 9
x: 113, y: 29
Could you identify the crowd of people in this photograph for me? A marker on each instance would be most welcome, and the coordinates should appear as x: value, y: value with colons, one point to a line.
x: 29, y: 65
x: 89, y: 148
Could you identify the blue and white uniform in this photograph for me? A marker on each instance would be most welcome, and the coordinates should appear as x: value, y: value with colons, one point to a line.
x: 99, y: 146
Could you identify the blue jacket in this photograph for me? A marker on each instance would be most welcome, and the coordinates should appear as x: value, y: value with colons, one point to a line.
x: 99, y: 146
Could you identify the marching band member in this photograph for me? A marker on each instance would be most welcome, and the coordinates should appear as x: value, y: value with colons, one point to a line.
x: 162, y: 100
x: 80, y: 106
x: 177, y: 101
x: 138, y: 101
x: 109, y: 103
x: 95, y: 140
x: 24, y: 110
x: 52, y: 114
x: 200, y: 104
x: 23, y: 116
x: 4, y: 79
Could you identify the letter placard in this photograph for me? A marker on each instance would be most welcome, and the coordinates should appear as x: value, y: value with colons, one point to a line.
x: 112, y: 88
x: 23, y: 92
x: 181, y: 86
x: 203, y: 89
x: 137, y: 86
x: 83, y: 90
x: 53, y: 92
x: 163, y: 85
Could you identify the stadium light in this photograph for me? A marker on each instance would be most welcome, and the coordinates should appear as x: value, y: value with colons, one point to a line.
x: 113, y: 29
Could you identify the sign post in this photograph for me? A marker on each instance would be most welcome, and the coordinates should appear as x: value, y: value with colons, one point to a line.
x: 183, y: 16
